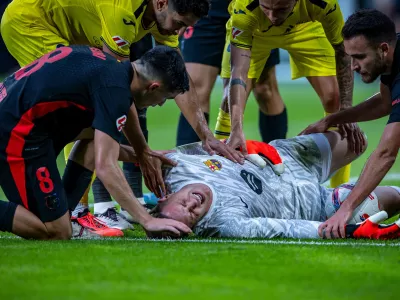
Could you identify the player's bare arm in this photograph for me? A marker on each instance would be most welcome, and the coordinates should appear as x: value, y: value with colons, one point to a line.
x: 377, y: 166
x: 109, y: 172
x: 240, y: 63
x: 344, y: 76
x: 375, y: 107
x: 190, y: 108
x: 145, y: 156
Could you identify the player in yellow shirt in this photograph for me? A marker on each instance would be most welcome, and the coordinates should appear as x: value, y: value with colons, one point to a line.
x: 31, y: 28
x: 311, y: 32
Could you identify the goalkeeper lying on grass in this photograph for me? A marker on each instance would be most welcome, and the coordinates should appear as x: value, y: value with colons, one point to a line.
x: 218, y: 198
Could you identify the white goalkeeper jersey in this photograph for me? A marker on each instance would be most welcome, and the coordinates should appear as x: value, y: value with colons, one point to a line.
x: 252, y: 202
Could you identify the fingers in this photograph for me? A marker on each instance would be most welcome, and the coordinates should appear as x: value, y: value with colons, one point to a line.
x: 226, y: 151
x: 329, y: 231
x: 180, y: 226
x: 303, y: 132
x: 342, y: 231
x: 161, y: 185
x: 244, y: 148
x: 351, y: 139
x: 166, y: 161
x: 321, y: 230
x: 342, y: 132
x: 173, y: 230
x: 236, y: 155
x: 208, y: 149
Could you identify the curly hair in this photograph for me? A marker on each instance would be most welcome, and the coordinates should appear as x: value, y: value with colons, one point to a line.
x: 199, y: 8
x: 374, y: 25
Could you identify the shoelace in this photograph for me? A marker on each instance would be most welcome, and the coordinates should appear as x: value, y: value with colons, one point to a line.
x: 93, y: 222
x: 111, y: 214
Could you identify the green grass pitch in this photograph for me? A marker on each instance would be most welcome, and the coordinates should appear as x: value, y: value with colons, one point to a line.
x: 136, y: 268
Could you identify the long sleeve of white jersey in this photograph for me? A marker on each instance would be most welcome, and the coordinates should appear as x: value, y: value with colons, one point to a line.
x: 230, y: 225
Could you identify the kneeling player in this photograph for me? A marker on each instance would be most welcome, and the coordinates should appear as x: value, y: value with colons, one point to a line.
x: 217, y: 198
x: 50, y: 103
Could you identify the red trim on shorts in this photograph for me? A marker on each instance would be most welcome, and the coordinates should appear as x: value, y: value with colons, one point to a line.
x: 16, y: 142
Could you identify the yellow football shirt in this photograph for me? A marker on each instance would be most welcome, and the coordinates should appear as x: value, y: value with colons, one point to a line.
x: 248, y: 20
x: 38, y: 26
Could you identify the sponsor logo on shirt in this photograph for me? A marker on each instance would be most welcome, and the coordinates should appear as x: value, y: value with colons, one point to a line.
x: 121, y: 121
x: 331, y: 10
x: 128, y: 22
x: 397, y: 101
x: 252, y: 181
x: 236, y: 32
x: 239, y: 12
x: 213, y: 164
x: 120, y: 41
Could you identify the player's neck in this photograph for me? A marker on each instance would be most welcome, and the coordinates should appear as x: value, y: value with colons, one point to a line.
x: 391, y: 58
x: 149, y: 15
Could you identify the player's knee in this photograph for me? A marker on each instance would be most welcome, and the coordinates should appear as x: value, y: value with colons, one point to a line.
x: 60, y: 229
x: 263, y: 90
x: 64, y: 233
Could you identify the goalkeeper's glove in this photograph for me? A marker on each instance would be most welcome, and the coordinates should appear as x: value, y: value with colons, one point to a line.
x: 371, y: 229
x: 261, y: 154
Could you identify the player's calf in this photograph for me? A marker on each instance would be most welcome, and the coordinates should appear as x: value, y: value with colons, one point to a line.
x: 16, y: 219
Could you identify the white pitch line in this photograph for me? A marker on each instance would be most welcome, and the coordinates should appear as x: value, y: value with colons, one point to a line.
x: 242, y: 241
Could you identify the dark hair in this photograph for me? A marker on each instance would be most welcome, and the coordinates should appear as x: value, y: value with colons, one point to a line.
x: 374, y: 25
x: 199, y: 8
x: 166, y: 64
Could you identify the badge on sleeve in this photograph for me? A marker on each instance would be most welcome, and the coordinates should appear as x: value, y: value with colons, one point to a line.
x: 121, y: 121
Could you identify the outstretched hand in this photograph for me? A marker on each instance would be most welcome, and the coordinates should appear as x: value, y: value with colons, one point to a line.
x: 334, y: 227
x: 150, y: 163
x: 214, y: 146
x: 157, y: 228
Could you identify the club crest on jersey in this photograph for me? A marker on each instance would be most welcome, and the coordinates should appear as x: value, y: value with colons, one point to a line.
x: 121, y: 121
x: 213, y: 164
x: 120, y: 41
x: 236, y: 32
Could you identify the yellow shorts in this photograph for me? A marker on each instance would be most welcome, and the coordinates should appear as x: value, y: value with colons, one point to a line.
x: 311, y: 54
x: 26, y: 32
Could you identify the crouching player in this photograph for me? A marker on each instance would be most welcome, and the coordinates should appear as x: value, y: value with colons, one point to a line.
x: 62, y: 97
x: 285, y: 199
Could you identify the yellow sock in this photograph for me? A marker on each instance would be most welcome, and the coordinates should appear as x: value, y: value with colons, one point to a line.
x: 85, y: 197
x: 67, y: 151
x: 342, y: 175
x: 223, y: 126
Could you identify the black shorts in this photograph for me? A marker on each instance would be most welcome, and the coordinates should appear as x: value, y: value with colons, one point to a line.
x: 35, y: 182
x: 273, y: 59
x: 204, y: 43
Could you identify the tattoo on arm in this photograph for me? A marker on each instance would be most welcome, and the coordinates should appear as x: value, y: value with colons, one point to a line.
x: 238, y: 81
x: 344, y: 75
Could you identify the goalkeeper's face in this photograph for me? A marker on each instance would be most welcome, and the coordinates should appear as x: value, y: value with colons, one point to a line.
x: 188, y: 205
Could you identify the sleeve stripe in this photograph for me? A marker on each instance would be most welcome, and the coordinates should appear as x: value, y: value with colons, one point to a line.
x: 241, y: 45
x: 112, y: 50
